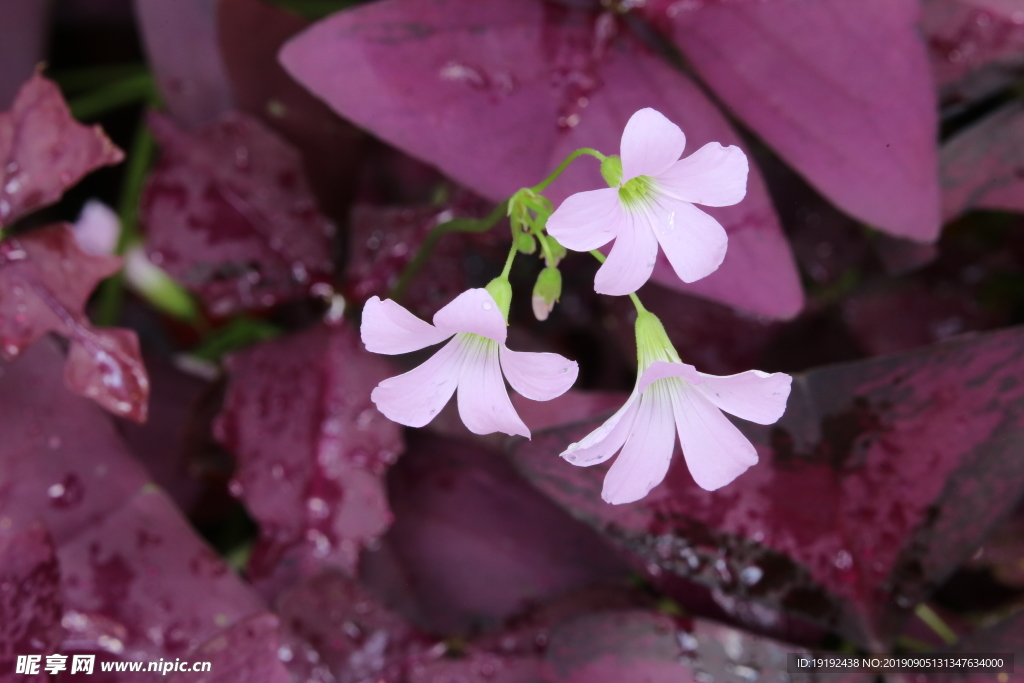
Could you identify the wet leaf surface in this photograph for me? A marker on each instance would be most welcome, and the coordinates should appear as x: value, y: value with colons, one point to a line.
x: 248, y: 652
x: 137, y: 583
x: 229, y: 214
x: 880, y: 479
x: 30, y: 597
x: 513, y: 87
x: 312, y: 450
x: 842, y: 92
x: 45, y: 281
x: 43, y: 151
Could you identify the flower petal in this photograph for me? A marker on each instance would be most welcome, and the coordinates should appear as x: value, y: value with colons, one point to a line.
x: 694, y: 242
x: 753, y: 395
x: 473, y: 311
x: 650, y: 144
x: 483, y: 400
x: 587, y: 220
x: 648, y: 451
x: 388, y: 328
x: 662, y: 369
x: 413, y: 399
x: 606, y: 440
x: 631, y: 260
x: 712, y: 176
x: 715, y: 450
x: 538, y: 376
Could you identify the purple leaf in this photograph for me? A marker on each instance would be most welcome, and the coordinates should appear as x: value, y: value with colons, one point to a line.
x: 45, y: 281
x: 983, y: 166
x: 841, y: 91
x: 137, y: 582
x: 43, y: 151
x: 877, y: 482
x: 193, y: 81
x: 496, y: 94
x: 976, y: 46
x: 228, y: 213
x: 248, y: 652
x: 312, y: 449
x: 30, y: 598
x: 250, y: 33
x: 24, y: 44
x: 478, y: 543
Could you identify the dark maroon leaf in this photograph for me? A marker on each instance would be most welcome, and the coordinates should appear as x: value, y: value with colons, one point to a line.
x: 312, y: 449
x: 43, y: 151
x: 248, y: 652
x: 1004, y: 636
x: 251, y: 32
x: 841, y: 91
x: 976, y: 46
x: 24, y: 44
x: 137, y: 582
x: 45, y: 280
x: 877, y: 482
x: 353, y: 636
x: 30, y: 599
x: 230, y: 215
x: 193, y: 81
x: 983, y: 166
x: 1003, y: 551
x: 496, y: 94
x: 478, y: 543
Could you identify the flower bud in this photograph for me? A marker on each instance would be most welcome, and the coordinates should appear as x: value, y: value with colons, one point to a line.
x: 557, y: 251
x: 500, y: 289
x: 156, y: 286
x: 611, y: 170
x: 546, y: 292
x: 525, y: 243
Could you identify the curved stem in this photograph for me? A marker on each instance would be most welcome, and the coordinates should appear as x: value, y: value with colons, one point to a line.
x: 436, y: 233
x: 508, y: 262
x: 633, y: 297
x: 542, y: 185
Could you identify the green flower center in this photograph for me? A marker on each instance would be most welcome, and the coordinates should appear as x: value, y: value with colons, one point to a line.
x: 636, y: 191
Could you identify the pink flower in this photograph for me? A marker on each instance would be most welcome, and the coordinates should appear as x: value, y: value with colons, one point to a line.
x: 472, y: 362
x: 651, y: 203
x: 674, y: 397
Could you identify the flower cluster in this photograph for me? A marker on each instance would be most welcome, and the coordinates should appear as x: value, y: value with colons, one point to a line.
x: 648, y: 205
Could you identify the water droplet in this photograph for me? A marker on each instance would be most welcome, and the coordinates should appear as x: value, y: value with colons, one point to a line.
x: 751, y: 575
x: 284, y: 653
x: 235, y: 488
x: 487, y: 305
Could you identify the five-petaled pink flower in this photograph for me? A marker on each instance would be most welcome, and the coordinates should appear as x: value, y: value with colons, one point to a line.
x: 653, y: 204
x: 472, y: 362
x: 673, y: 397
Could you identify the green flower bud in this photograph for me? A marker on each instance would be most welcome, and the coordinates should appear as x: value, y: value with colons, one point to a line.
x: 525, y: 243
x: 558, y: 252
x: 611, y: 170
x: 546, y: 292
x: 501, y: 290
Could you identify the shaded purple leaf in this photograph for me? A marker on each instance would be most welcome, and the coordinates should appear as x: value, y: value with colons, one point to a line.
x: 25, y: 37
x: 478, y: 543
x: 312, y: 449
x: 976, y: 46
x: 251, y: 32
x: 193, y: 81
x: 45, y: 281
x: 877, y: 482
x: 247, y: 652
x: 43, y: 151
x: 983, y: 166
x: 841, y: 91
x: 509, y: 89
x: 354, y: 637
x: 137, y: 582
x: 229, y: 214
x: 30, y: 598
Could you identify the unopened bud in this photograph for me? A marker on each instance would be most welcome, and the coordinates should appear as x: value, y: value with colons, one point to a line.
x: 546, y: 292
x: 525, y: 243
x: 556, y: 250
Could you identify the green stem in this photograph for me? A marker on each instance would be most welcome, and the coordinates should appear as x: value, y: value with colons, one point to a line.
x: 633, y: 297
x: 508, y: 262
x: 111, y: 295
x: 128, y: 90
x: 75, y: 80
x: 439, y: 231
x: 935, y: 622
x: 542, y: 185
x: 538, y: 233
